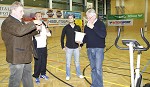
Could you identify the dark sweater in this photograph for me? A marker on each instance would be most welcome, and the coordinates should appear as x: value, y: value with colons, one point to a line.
x: 95, y: 38
x: 69, y: 32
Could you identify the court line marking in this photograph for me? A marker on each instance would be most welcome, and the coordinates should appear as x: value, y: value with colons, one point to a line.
x: 87, y: 76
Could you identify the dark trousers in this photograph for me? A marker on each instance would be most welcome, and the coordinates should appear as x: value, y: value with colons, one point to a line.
x: 40, y: 62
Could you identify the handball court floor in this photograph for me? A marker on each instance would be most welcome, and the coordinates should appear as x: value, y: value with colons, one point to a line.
x: 116, y: 68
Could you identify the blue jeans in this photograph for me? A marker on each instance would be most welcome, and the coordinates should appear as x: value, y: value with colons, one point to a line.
x: 18, y: 73
x: 69, y: 53
x: 96, y: 57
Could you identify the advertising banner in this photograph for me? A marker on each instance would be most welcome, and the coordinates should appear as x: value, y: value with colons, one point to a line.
x: 62, y: 22
x: 54, y: 13
x: 76, y: 14
x: 120, y: 22
x: 4, y: 10
x: 54, y: 17
x: 30, y: 11
x: 126, y: 16
x: 57, y: 22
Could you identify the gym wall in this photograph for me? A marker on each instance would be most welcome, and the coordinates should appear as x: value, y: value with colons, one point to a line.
x: 133, y: 7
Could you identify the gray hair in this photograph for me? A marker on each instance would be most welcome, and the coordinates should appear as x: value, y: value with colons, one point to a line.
x: 90, y: 11
x: 15, y: 5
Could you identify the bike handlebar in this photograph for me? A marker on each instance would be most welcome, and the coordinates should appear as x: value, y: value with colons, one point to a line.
x: 137, y: 48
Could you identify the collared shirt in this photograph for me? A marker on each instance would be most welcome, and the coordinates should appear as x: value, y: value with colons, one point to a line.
x: 16, y: 18
x: 95, y: 21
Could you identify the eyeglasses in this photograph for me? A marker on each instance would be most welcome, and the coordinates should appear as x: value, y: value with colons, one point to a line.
x: 38, y: 24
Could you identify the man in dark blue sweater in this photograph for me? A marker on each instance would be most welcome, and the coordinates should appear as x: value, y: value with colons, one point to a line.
x: 95, y: 43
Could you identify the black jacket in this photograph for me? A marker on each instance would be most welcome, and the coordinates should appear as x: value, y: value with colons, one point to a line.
x: 69, y: 32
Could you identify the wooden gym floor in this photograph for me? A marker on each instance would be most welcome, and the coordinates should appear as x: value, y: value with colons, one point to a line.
x: 116, y: 71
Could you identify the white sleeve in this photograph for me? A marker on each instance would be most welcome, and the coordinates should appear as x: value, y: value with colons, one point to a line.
x: 48, y: 33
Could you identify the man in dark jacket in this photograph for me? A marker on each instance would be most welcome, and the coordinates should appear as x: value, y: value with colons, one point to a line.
x: 17, y: 37
x: 95, y: 31
x: 71, y: 47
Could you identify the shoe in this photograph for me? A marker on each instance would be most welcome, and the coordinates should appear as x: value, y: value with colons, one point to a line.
x: 81, y: 76
x: 44, y: 77
x: 37, y: 80
x: 67, y: 78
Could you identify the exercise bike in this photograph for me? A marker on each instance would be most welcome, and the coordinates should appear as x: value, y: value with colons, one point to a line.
x: 133, y: 45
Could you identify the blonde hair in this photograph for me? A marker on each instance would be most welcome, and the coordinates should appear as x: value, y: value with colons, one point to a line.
x: 15, y: 5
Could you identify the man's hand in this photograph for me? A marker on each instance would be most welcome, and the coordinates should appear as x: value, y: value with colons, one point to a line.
x: 90, y: 25
x: 38, y: 24
x: 79, y: 48
x: 64, y: 48
x: 79, y: 42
